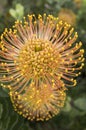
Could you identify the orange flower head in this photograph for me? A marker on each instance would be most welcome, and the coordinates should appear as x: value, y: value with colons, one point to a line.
x: 68, y: 16
x: 38, y: 58
x: 78, y: 3
x: 39, y: 104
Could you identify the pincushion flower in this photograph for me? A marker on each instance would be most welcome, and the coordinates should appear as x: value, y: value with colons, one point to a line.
x: 78, y: 3
x: 39, y: 104
x: 39, y: 52
x: 68, y: 16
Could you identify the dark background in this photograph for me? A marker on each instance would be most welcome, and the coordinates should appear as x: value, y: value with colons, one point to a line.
x: 73, y: 115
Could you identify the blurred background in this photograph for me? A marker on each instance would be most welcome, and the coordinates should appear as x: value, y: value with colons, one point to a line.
x: 73, y: 115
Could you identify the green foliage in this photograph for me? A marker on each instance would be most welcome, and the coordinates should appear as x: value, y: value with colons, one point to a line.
x: 1, y: 110
x: 81, y: 103
x: 18, y: 12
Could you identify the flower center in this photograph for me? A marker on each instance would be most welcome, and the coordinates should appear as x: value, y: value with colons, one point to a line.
x: 38, y: 48
x: 36, y: 58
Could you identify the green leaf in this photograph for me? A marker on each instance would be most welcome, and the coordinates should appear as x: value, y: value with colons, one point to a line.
x: 1, y: 110
x: 50, y: 1
x: 18, y: 12
x: 3, y: 92
x: 74, y: 112
x: 13, y: 13
x: 81, y: 103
